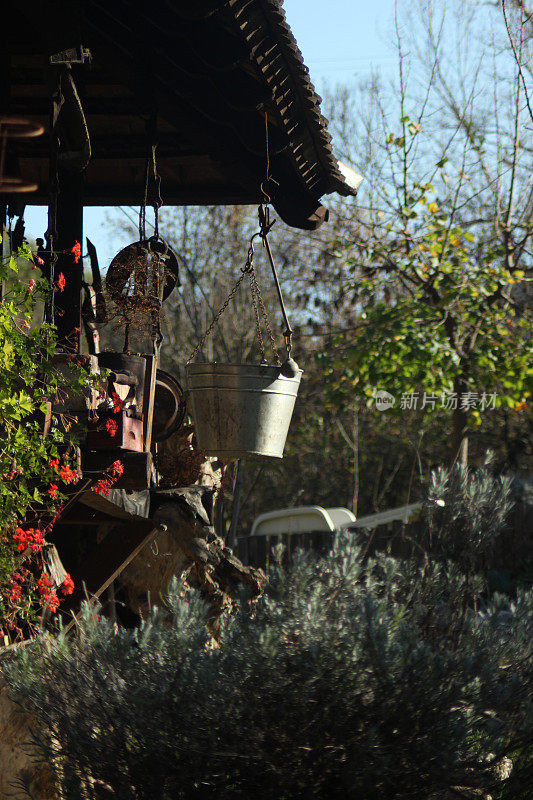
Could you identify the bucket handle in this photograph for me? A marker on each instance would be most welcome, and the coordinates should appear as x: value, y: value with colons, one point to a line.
x: 265, y: 226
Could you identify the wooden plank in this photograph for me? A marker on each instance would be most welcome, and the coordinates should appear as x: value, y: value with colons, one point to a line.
x: 123, y: 363
x: 81, y: 487
x: 11, y: 648
x: 106, y: 563
x: 55, y: 567
x: 148, y: 399
x: 112, y: 508
x: 128, y: 434
x: 137, y: 466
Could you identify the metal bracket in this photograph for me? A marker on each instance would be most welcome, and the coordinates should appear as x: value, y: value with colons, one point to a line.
x: 73, y: 55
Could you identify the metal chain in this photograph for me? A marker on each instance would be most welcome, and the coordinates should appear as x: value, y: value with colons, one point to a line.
x: 142, y: 208
x: 157, y: 268
x: 245, y: 270
x: 265, y: 226
x: 151, y: 172
x: 51, y: 233
x: 256, y: 289
x: 157, y: 289
x: 158, y: 200
x: 257, y: 300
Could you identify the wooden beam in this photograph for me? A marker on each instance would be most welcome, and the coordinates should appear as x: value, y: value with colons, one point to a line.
x: 69, y: 231
x: 112, y: 511
x: 175, y: 195
x: 137, y: 466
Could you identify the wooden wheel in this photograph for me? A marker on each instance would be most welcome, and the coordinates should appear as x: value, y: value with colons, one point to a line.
x: 169, y: 406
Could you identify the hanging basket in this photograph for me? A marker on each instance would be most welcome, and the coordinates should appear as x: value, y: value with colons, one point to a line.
x: 242, y: 410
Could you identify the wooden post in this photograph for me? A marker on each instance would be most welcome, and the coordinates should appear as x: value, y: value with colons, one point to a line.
x: 460, y: 425
x: 69, y: 231
x: 237, y: 492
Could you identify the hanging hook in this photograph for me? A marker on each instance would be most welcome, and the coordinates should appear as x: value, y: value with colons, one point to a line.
x: 266, y: 199
x: 150, y: 174
x: 268, y: 180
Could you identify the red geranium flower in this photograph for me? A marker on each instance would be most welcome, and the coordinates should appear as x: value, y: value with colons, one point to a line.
x: 21, y: 537
x: 53, y: 602
x: 61, y: 281
x: 68, y: 584
x: 102, y: 487
x: 117, y: 403
x: 47, y: 593
x: 43, y: 584
x: 38, y: 541
x: 52, y: 491
x: 68, y: 475
x: 111, y: 427
x: 76, y: 252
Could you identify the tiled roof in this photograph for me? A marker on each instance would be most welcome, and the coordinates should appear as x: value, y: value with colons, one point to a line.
x: 211, y: 70
x: 276, y: 52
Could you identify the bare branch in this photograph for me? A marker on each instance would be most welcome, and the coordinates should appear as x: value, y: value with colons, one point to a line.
x: 517, y: 56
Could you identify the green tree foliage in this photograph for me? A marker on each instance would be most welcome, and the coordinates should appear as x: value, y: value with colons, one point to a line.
x: 437, y: 319
x: 438, y: 244
x: 353, y: 677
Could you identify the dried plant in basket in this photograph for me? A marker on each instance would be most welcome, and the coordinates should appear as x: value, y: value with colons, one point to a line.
x: 140, y: 277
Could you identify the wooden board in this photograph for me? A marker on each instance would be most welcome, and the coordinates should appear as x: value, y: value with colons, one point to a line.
x: 106, y: 563
x: 137, y: 466
x: 148, y: 399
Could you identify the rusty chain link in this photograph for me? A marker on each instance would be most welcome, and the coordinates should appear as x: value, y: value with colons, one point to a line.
x: 257, y: 300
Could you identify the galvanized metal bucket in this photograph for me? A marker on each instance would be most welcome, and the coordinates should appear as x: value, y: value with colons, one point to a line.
x: 241, y: 410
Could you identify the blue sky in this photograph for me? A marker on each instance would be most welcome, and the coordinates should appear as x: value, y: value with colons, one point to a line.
x: 341, y: 40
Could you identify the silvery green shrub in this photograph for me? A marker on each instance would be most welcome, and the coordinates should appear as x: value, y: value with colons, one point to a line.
x: 351, y: 678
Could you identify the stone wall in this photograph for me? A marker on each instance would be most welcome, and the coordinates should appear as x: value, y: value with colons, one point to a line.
x: 18, y: 765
